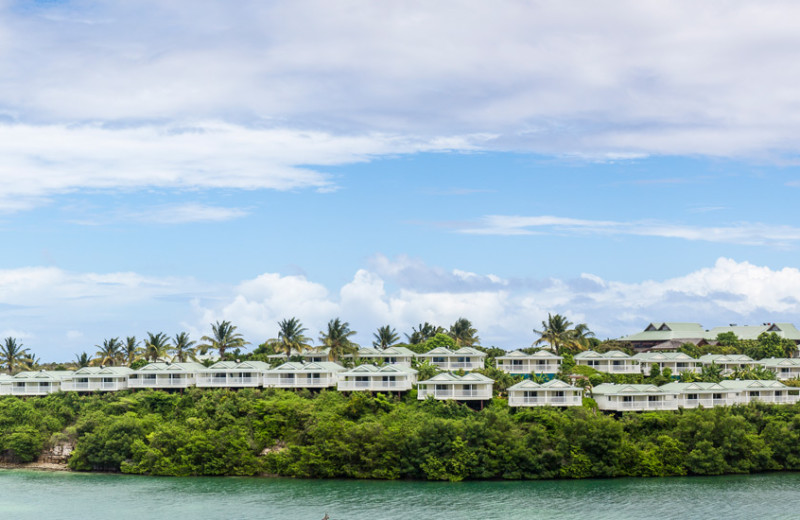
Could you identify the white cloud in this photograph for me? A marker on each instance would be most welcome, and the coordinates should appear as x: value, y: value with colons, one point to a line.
x: 616, y: 80
x: 186, y: 213
x: 745, y: 233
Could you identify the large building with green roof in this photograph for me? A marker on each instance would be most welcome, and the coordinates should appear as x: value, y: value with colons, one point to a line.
x: 670, y: 335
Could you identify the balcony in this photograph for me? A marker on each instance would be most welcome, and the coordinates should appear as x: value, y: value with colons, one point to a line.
x: 230, y: 381
x: 370, y: 386
x: 515, y: 400
x: 455, y: 394
x: 527, y: 368
x: 639, y: 405
x: 161, y: 383
x: 299, y: 382
x: 706, y: 403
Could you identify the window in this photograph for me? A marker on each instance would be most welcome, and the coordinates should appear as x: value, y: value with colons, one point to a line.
x: 516, y: 362
x: 438, y: 359
x: 691, y: 396
x: 627, y: 398
x: 594, y: 363
x: 653, y: 398
x: 716, y: 396
x: 755, y: 393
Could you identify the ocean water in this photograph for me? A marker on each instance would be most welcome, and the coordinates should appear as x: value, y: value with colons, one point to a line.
x: 36, y: 495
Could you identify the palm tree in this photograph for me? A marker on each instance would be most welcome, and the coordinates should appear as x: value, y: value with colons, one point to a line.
x: 155, y: 346
x: 557, y: 333
x: 425, y: 332
x: 337, y: 339
x: 131, y: 350
x: 385, y: 337
x: 183, y: 348
x: 223, y: 337
x: 12, y: 355
x: 32, y: 362
x: 290, y: 338
x: 464, y: 333
x: 110, y: 352
x: 83, y: 360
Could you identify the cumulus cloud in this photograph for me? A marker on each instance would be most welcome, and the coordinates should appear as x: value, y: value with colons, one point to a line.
x: 745, y: 233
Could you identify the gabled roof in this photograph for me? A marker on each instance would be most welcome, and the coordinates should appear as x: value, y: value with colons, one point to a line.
x: 398, y: 351
x: 663, y: 356
x: 663, y: 331
x: 611, y: 354
x: 784, y: 330
x: 726, y: 358
x: 44, y: 375
x: 438, y: 351
x: 314, y: 366
x: 780, y: 362
x: 449, y: 377
x: 553, y: 384
x: 753, y: 384
x: 612, y: 388
x: 365, y: 352
x: 114, y: 371
x: 469, y: 351
x: 694, y: 386
x: 539, y: 354
x: 386, y: 369
x: 242, y: 365
x: 172, y: 367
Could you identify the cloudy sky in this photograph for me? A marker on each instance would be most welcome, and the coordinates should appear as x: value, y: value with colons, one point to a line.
x: 168, y: 164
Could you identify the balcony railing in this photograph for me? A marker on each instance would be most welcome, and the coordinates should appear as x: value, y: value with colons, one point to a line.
x: 229, y: 381
x: 639, y: 405
x: 161, y: 383
x: 83, y: 386
x: 399, y: 386
x: 425, y: 392
x: 515, y: 400
x: 299, y: 382
x: 706, y: 403
x: 33, y: 390
x: 531, y: 368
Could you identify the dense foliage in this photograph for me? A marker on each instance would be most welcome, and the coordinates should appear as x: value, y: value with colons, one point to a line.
x: 330, y: 434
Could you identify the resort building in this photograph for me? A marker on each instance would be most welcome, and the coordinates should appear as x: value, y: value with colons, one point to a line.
x: 312, y: 355
x: 676, y: 362
x: 707, y: 395
x: 620, y: 398
x: 448, y: 386
x: 372, y: 378
x: 397, y: 356
x: 6, y: 381
x: 165, y: 375
x: 728, y: 362
x: 465, y: 358
x: 103, y: 379
x: 365, y: 355
x: 765, y: 391
x: 552, y: 393
x: 233, y: 374
x: 321, y: 374
x: 611, y: 362
x: 784, y: 368
x: 542, y: 362
x: 42, y: 382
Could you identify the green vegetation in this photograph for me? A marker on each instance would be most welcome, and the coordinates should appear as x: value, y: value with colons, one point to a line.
x: 327, y: 435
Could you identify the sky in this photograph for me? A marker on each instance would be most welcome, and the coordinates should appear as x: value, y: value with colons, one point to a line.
x: 165, y: 165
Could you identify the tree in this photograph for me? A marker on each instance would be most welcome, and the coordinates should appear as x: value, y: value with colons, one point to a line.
x: 425, y: 332
x: 385, y: 337
x: 182, y: 348
x: 464, y: 333
x: 557, y: 333
x: 82, y: 360
x: 130, y: 350
x: 337, y: 339
x: 110, y: 352
x: 711, y: 373
x: 290, y: 338
x: 12, y: 355
x: 155, y: 346
x: 223, y: 337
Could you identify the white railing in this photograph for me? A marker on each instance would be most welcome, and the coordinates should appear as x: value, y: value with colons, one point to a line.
x: 639, y: 405
x: 424, y: 392
x: 83, y: 386
x: 33, y: 390
x: 375, y: 385
x: 706, y: 403
x: 161, y: 383
x: 465, y: 365
x: 532, y: 368
x: 299, y: 382
x: 516, y: 400
x: 619, y: 369
x: 230, y: 381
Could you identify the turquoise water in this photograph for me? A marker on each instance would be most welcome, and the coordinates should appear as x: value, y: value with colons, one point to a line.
x: 70, y: 496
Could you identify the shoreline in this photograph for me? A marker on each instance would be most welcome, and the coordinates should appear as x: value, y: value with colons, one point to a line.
x: 37, y: 466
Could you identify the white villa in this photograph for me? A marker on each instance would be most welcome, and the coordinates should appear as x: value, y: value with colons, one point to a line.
x: 614, y: 397
x: 765, y: 391
x: 611, y: 362
x: 784, y: 368
x: 397, y: 356
x: 104, y: 379
x: 165, y: 375
x: 552, y: 393
x: 519, y: 363
x: 707, y: 395
x: 322, y: 374
x: 448, y: 386
x: 42, y: 382
x: 312, y: 355
x: 371, y: 378
x: 677, y: 362
x: 233, y: 374
x: 728, y: 362
x: 5, y: 384
x: 365, y: 355
x: 465, y: 358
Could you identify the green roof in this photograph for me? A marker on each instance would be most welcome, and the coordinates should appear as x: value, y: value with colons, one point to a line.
x: 172, y: 367
x: 726, y: 358
x: 314, y: 366
x: 539, y: 354
x: 386, y: 369
x: 242, y: 365
x: 438, y: 351
x: 398, y: 351
x: 472, y: 377
x: 695, y: 386
x: 611, y: 354
x: 612, y: 388
x: 553, y: 384
x: 780, y: 362
x: 752, y: 384
x: 663, y: 356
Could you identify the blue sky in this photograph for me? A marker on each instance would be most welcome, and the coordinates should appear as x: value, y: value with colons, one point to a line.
x: 167, y: 165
